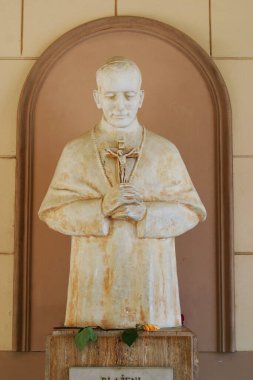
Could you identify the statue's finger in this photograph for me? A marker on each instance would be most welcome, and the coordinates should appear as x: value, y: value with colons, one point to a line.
x: 134, y: 196
x: 127, y: 186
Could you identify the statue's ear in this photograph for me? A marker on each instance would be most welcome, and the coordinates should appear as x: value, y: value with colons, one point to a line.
x: 97, y: 98
x: 141, y: 98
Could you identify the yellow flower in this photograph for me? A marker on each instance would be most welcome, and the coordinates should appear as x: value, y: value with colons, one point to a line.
x: 150, y: 327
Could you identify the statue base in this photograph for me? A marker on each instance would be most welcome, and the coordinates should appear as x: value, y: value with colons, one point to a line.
x: 174, y: 348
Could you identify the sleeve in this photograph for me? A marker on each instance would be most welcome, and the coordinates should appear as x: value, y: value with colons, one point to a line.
x: 72, y: 206
x: 165, y: 220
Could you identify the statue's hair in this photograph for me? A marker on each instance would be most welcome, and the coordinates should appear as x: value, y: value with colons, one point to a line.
x: 117, y: 64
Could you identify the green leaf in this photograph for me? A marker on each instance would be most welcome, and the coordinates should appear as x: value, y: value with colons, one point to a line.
x: 93, y: 335
x: 84, y: 336
x: 129, y: 336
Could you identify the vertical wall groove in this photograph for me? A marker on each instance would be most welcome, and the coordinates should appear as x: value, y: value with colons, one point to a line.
x: 210, y: 28
x: 22, y: 27
x: 116, y: 8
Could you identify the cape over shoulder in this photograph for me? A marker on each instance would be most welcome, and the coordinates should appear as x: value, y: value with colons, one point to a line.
x: 79, y: 148
x: 159, y: 142
x: 161, y: 169
x: 76, y: 176
x: 161, y: 175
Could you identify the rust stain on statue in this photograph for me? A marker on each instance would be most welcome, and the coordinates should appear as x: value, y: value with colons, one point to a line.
x: 71, y: 316
x: 175, y: 303
x: 142, y: 315
x: 65, y: 176
x: 105, y: 324
x: 107, y: 280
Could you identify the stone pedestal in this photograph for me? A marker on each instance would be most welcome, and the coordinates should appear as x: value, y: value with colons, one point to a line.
x: 174, y: 348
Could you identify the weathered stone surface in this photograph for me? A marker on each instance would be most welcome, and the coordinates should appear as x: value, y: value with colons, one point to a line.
x: 123, y: 214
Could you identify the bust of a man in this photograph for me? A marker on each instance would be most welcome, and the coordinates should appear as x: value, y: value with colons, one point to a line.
x: 123, y: 194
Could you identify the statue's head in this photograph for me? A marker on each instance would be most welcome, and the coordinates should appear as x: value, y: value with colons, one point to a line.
x: 119, y: 93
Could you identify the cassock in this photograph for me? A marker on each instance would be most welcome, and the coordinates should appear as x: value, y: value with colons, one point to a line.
x: 122, y: 272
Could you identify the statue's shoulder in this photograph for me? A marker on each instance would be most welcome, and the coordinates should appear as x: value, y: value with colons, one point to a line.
x: 80, y: 145
x: 160, y: 144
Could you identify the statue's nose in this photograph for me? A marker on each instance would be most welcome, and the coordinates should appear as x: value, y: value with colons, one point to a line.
x: 120, y: 101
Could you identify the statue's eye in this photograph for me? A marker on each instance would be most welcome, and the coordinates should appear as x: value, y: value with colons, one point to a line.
x: 130, y: 94
x: 110, y: 95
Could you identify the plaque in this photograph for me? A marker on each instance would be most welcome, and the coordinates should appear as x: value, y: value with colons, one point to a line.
x: 120, y: 373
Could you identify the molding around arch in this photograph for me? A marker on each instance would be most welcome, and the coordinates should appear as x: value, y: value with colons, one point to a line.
x: 224, y: 222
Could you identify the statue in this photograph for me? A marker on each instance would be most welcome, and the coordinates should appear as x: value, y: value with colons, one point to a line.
x: 123, y: 194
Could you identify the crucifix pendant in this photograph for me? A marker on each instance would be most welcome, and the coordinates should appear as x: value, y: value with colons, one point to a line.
x: 121, y: 154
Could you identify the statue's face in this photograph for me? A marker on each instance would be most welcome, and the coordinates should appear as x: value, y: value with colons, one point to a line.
x: 119, y: 97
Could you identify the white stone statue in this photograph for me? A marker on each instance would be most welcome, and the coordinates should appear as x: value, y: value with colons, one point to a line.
x: 123, y: 194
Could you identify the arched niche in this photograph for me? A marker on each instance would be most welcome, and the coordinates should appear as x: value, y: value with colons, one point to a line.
x: 187, y: 102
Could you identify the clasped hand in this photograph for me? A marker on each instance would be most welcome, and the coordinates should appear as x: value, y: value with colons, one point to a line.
x: 124, y: 202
